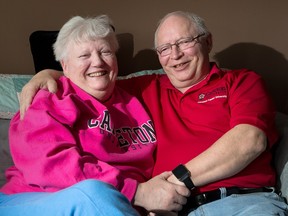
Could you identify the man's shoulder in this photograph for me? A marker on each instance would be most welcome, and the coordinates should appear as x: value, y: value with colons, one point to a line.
x: 242, y: 73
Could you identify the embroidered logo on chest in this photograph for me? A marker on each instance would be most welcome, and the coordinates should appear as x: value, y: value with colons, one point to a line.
x: 217, y: 93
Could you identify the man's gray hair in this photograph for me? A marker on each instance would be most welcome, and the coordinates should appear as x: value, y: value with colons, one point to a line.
x: 196, y: 20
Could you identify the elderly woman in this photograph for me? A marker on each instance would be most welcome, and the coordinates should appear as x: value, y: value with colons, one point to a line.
x: 90, y: 129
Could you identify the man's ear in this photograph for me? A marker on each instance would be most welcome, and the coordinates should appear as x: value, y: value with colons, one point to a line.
x: 209, y: 42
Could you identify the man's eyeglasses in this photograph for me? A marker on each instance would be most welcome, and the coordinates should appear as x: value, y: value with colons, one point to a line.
x: 181, y: 44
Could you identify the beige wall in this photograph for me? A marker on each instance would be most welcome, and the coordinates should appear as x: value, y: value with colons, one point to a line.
x: 246, y: 33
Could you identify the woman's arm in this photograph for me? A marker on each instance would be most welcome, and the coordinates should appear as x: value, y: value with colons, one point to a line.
x: 45, y: 79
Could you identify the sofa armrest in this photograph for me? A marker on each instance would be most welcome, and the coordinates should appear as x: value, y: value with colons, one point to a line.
x: 5, y: 156
x: 281, y: 154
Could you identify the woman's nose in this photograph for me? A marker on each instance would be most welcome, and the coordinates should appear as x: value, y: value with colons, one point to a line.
x: 97, y: 59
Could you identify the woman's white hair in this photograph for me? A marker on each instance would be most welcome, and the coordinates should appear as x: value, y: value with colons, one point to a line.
x: 79, y: 29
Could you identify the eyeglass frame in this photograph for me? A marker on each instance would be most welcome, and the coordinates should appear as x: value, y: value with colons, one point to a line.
x: 177, y: 43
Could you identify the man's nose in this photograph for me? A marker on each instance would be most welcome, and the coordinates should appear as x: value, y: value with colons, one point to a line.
x: 175, y: 52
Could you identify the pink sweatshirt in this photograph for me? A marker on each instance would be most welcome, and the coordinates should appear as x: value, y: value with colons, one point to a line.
x: 70, y: 136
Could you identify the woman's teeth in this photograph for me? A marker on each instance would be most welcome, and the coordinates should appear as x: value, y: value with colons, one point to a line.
x: 96, y: 74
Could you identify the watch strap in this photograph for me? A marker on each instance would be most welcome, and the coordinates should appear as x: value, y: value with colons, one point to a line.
x: 188, y: 183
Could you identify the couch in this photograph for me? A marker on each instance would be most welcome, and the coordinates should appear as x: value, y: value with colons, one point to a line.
x: 11, y: 84
x: 41, y: 43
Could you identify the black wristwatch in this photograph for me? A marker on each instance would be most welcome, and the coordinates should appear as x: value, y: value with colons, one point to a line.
x: 183, y: 175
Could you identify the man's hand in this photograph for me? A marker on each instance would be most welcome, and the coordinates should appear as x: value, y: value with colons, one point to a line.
x: 42, y: 80
x: 159, y: 195
x: 173, y: 179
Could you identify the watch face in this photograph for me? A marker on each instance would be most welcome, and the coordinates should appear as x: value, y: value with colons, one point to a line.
x: 181, y: 172
x: 183, y: 175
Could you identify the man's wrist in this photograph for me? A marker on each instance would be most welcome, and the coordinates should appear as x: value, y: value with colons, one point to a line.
x: 184, y: 175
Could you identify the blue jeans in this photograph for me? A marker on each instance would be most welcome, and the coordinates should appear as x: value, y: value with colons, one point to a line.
x: 254, y: 204
x: 89, y: 197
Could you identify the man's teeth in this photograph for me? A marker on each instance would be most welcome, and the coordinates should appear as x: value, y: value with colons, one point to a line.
x: 179, y: 65
x: 96, y: 74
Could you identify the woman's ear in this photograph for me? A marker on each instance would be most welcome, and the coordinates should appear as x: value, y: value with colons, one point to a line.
x: 63, y: 65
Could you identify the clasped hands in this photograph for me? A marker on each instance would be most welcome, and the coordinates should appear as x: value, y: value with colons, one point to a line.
x: 162, y: 195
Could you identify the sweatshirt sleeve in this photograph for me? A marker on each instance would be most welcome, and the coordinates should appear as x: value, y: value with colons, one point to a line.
x: 47, y: 153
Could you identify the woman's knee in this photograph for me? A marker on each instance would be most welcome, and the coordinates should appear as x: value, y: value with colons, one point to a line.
x: 98, y: 190
x: 92, y: 185
x: 89, y: 197
x: 103, y: 197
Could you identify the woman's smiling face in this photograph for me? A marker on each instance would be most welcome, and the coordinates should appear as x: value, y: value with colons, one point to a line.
x: 92, y: 65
